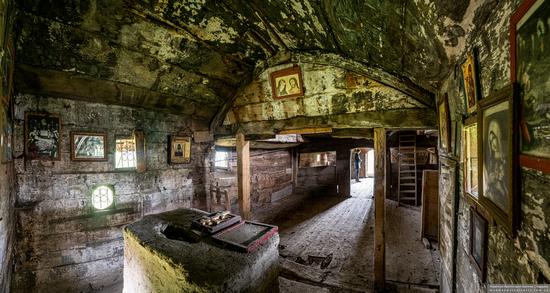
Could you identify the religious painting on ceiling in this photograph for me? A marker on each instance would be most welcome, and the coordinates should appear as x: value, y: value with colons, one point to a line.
x: 287, y: 83
x: 530, y: 45
x: 42, y: 134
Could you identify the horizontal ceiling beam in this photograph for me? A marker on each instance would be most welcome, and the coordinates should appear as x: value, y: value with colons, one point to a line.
x: 417, y: 118
x: 77, y: 86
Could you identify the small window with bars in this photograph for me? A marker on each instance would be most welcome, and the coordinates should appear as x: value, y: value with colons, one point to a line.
x: 125, y: 155
x: 103, y: 197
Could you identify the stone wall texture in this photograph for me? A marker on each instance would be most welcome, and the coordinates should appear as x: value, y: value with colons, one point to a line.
x: 63, y: 244
x: 523, y: 259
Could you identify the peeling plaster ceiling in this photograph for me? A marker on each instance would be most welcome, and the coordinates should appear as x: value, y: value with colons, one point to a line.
x: 202, y: 51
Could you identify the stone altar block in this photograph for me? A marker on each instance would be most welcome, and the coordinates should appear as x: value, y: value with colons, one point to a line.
x: 163, y: 254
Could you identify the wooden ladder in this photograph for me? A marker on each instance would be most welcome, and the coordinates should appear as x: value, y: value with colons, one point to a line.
x: 406, y: 188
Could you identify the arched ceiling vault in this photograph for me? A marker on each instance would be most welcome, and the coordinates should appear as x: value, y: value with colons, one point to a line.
x: 191, y: 56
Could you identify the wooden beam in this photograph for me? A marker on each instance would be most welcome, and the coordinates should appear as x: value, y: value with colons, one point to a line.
x: 243, y: 175
x: 75, y: 86
x: 343, y: 171
x: 415, y: 118
x: 294, y: 160
x: 334, y: 144
x: 310, y: 130
x: 352, y: 133
x: 141, y: 160
x: 379, y: 209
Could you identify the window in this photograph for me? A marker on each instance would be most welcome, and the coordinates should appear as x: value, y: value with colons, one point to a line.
x: 103, y: 197
x: 125, y: 157
x: 317, y: 159
x: 222, y: 159
x: 470, y: 160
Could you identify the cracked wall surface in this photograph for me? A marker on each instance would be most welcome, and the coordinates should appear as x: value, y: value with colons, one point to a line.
x: 523, y: 259
x: 328, y: 91
x: 63, y: 244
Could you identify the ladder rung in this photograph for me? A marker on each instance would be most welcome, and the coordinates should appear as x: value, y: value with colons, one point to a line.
x: 408, y: 191
x: 407, y: 178
x: 407, y: 141
x: 407, y: 198
x: 407, y: 184
x: 407, y: 164
x: 407, y: 171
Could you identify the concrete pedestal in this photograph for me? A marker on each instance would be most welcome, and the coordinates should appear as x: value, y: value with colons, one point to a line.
x: 155, y: 263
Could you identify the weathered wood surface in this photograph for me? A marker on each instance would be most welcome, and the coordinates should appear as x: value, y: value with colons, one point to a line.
x: 395, y: 119
x: 343, y: 172
x: 303, y: 222
x: 353, y: 133
x: 430, y: 208
x: 77, y: 86
x: 379, y: 209
x: 141, y: 158
x: 243, y: 175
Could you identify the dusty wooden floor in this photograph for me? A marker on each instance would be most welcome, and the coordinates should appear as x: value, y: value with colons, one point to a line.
x: 327, y: 244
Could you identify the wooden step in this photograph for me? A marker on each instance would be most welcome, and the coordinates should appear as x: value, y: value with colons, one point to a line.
x: 407, y: 178
x: 407, y: 184
x: 407, y: 164
x: 407, y: 198
x: 407, y: 191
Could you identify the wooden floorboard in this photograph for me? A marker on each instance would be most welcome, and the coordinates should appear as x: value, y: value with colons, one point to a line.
x: 328, y: 241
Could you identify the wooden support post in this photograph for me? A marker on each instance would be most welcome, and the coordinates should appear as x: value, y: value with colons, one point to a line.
x: 243, y: 175
x: 343, y: 175
x: 294, y: 161
x: 379, y: 209
x: 141, y: 160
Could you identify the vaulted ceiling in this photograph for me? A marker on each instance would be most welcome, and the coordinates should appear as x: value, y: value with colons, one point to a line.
x: 191, y: 56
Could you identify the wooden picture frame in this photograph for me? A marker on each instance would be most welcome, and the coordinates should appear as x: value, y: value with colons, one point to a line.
x: 470, y: 82
x: 478, y: 243
x: 89, y: 146
x: 470, y: 160
x: 179, y: 150
x: 529, y: 68
x: 444, y: 124
x: 497, y: 149
x: 287, y: 83
x: 42, y: 135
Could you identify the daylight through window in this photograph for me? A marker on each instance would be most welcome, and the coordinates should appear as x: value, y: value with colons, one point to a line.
x: 102, y: 197
x: 222, y: 159
x: 125, y: 156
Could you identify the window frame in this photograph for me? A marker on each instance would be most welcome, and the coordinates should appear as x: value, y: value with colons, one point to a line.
x: 134, y: 168
x: 228, y: 155
x: 92, y: 207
